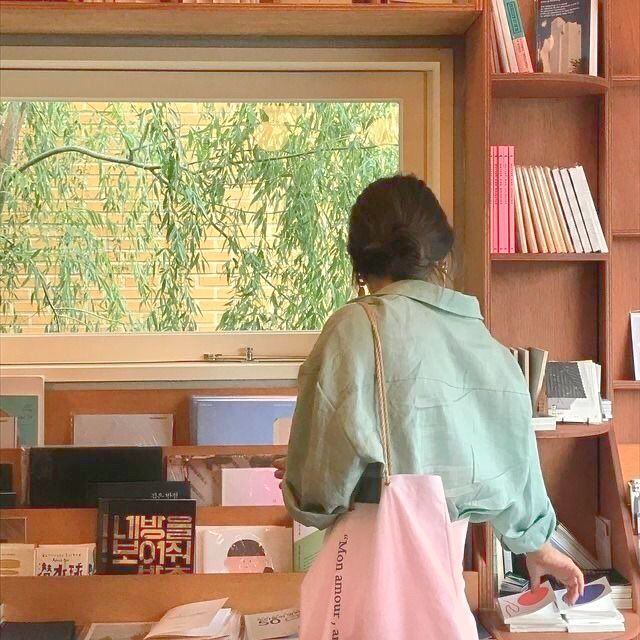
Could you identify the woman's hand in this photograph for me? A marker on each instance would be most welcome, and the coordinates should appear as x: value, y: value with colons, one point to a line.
x: 549, y: 561
x: 281, y: 466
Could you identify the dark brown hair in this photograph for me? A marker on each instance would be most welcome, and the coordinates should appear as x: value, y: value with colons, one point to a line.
x: 399, y: 230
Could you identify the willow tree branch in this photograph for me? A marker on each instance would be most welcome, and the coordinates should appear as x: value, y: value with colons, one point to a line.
x: 87, y: 152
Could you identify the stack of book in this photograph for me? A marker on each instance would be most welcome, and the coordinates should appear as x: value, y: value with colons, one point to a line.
x: 510, y: 52
x: 634, y: 502
x: 540, y: 209
x: 594, y: 611
x: 566, y: 37
x: 532, y: 611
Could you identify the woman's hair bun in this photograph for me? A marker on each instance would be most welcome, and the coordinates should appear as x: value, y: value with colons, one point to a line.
x: 398, y: 229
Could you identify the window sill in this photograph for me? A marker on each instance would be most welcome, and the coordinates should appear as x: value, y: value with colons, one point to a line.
x: 159, y: 372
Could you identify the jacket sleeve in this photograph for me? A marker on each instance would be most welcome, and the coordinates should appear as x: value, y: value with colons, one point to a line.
x: 529, y: 520
x: 325, y: 460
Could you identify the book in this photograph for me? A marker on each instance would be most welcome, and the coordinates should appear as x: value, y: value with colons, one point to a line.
x: 634, y: 503
x: 521, y: 235
x: 503, y: 25
x: 251, y: 488
x: 555, y: 201
x: 529, y: 230
x: 493, y: 203
x: 538, y: 359
x: 38, y: 630
x: 61, y: 476
x: 544, y: 423
x: 588, y: 209
x: 307, y: 543
x: 116, y: 430
x: 541, y: 209
x: 575, y: 210
x: 503, y: 199
x: 65, y: 559
x: 156, y: 490
x: 550, y: 212
x: 532, y: 611
x: 566, y: 211
x: 500, y: 41
x: 516, y: 29
x: 634, y: 317
x: 511, y: 199
x: 204, y: 472
x: 496, y: 66
x: 603, y: 541
x: 237, y: 420
x: 146, y: 536
x: 273, y: 625
x: 541, y: 238
x: 235, y: 549
x: 8, y: 432
x: 17, y: 559
x: 567, y: 36
x: 573, y: 391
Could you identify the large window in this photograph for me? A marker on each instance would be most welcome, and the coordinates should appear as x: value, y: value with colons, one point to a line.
x: 198, y: 201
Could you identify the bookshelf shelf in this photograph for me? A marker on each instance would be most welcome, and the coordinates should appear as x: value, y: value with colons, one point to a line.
x: 575, y: 431
x: 626, y: 385
x: 235, y: 19
x: 492, y: 622
x: 549, y: 257
x: 546, y: 85
x: 626, y: 234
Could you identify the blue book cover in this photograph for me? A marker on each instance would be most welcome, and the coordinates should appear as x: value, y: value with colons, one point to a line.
x: 238, y: 420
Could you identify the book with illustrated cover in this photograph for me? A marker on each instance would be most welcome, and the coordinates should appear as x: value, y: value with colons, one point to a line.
x: 17, y: 559
x: 146, y: 536
x: 567, y: 36
x: 273, y: 625
x: 65, y: 559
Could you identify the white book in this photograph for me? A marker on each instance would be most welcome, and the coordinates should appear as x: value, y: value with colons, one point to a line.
x: 566, y: 210
x: 635, y: 341
x: 115, y: 430
x: 588, y: 208
x: 573, y: 393
x: 17, y: 559
x: 234, y: 549
x: 544, y: 423
x: 503, y: 23
x: 551, y: 190
x: 8, y: 432
x: 502, y: 49
x: 536, y: 609
x: 65, y: 559
x: 269, y: 626
x: 575, y: 211
x: 593, y: 39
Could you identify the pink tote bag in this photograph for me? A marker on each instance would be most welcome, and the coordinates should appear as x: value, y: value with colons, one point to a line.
x: 393, y: 570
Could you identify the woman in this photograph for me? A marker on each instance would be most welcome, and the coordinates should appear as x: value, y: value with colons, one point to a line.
x: 458, y: 405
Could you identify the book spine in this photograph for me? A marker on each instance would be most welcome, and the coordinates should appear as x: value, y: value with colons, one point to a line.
x: 529, y: 230
x: 506, y: 34
x: 575, y: 210
x: 535, y: 214
x: 495, y: 57
x: 544, y: 223
x: 554, y: 224
x: 492, y: 203
x: 502, y: 48
x: 512, y: 215
x: 558, y: 209
x: 503, y: 200
x: 521, y: 234
x: 583, y: 198
x: 591, y: 207
x: 512, y: 10
x: 593, y: 39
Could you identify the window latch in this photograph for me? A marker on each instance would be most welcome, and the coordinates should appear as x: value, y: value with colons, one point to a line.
x: 248, y: 355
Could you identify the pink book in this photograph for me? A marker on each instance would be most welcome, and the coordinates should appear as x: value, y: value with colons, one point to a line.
x: 512, y: 207
x: 493, y: 202
x: 503, y: 199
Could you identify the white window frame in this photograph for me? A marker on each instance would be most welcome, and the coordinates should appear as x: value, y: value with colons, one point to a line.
x: 180, y: 356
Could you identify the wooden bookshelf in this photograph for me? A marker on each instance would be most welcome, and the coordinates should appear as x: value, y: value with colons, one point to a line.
x: 574, y: 305
x: 268, y: 19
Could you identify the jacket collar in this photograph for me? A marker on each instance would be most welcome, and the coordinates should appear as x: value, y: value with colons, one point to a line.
x: 435, y: 296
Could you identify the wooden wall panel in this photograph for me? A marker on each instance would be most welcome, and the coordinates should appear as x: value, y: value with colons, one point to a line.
x: 62, y: 404
x: 626, y: 415
x: 625, y: 297
x: 625, y: 157
x: 570, y: 468
x: 535, y: 127
x: 625, y: 37
x: 548, y: 305
x: 629, y: 462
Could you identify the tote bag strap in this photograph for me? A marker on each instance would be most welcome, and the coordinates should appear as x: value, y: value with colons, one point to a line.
x: 381, y: 390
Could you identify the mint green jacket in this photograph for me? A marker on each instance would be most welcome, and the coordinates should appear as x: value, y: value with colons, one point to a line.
x: 459, y: 408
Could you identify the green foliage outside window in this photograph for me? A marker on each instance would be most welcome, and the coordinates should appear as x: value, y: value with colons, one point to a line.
x: 163, y: 189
